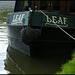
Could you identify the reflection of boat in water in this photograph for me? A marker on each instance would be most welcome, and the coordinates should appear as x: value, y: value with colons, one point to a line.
x: 16, y: 63
x: 39, y: 27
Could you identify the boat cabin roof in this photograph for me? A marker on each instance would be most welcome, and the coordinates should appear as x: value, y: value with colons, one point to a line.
x: 60, y: 6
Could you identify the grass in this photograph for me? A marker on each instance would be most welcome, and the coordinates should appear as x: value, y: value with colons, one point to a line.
x: 3, y: 15
x: 69, y: 67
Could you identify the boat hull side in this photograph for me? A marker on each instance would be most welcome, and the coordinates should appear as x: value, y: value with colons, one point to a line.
x: 15, y: 40
x: 43, y: 46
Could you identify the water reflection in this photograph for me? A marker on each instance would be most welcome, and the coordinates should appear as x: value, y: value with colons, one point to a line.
x: 3, y: 35
x: 5, y: 7
x: 3, y: 47
x: 17, y: 63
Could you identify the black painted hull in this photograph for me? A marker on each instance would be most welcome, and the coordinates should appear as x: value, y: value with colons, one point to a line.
x: 52, y: 41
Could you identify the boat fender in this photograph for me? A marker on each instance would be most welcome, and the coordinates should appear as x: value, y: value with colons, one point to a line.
x: 30, y: 35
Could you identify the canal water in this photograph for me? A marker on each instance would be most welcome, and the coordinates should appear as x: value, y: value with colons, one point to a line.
x: 13, y: 62
x: 5, y: 6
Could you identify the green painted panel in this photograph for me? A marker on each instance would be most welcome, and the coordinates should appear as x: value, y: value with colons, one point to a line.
x: 17, y: 18
x: 50, y: 19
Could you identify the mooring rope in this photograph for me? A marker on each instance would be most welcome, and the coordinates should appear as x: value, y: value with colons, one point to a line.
x: 58, y: 25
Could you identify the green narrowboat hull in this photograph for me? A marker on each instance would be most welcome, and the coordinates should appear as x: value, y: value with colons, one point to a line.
x: 51, y: 40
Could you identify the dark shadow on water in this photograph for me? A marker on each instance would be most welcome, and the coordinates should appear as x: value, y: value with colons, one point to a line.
x: 17, y: 63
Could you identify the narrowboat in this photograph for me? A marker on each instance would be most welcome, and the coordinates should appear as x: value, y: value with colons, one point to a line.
x: 39, y: 27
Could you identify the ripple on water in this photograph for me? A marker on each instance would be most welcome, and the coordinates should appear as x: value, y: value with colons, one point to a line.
x: 5, y: 6
x: 3, y: 35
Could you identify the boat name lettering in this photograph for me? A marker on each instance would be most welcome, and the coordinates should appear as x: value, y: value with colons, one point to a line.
x: 17, y: 18
x: 57, y: 20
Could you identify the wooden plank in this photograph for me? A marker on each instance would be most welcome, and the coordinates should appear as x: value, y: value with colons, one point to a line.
x: 62, y: 7
x: 32, y: 5
x: 50, y: 6
x: 22, y: 3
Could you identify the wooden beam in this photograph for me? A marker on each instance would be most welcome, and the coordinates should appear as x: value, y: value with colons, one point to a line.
x: 68, y: 7
x: 22, y: 3
x: 38, y: 4
x: 50, y: 5
x: 62, y: 7
x: 32, y: 5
